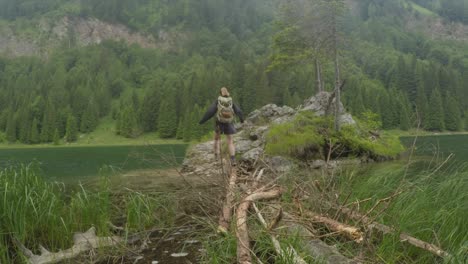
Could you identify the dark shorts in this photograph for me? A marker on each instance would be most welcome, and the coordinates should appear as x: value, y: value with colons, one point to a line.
x: 225, y: 128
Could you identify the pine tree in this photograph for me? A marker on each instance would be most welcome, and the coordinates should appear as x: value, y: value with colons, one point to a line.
x: 404, y: 117
x: 90, y: 118
x: 180, y: 129
x: 128, y: 122
x: 422, y: 108
x: 452, y: 114
x: 71, y: 133
x: 187, y: 126
x: 435, y: 116
x: 11, y: 128
x: 34, y: 132
x: 56, y: 139
x: 466, y: 120
x: 48, y: 123
x: 167, y: 120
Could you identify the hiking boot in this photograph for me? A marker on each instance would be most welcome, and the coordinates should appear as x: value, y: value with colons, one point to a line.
x: 233, y: 162
x: 216, y: 156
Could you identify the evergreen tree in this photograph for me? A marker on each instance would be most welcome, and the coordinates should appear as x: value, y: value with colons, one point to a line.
x: 34, y: 139
x: 167, y: 121
x: 180, y: 129
x: 11, y: 128
x: 422, y: 107
x: 128, y: 122
x: 48, y: 123
x: 71, y: 133
x: 405, y: 123
x: 435, y: 116
x: 466, y: 120
x: 149, y: 110
x: 56, y: 139
x: 452, y: 114
x: 90, y: 118
x: 188, y: 126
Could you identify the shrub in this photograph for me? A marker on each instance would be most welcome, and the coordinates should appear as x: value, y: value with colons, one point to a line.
x: 309, y: 136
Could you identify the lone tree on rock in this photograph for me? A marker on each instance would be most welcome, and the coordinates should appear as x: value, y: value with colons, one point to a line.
x: 309, y: 33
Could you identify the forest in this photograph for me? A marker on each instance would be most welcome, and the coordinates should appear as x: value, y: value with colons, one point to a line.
x: 405, y: 77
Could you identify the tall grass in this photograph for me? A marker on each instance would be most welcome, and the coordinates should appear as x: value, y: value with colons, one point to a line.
x: 433, y: 207
x: 37, y: 212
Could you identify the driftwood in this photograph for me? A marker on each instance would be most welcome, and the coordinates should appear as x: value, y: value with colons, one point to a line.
x: 242, y: 233
x: 389, y: 230
x: 349, y: 231
x: 82, y: 242
x: 226, y: 213
x: 296, y: 258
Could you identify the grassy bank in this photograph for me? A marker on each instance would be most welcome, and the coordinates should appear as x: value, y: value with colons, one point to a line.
x: 37, y: 212
x: 432, y: 206
x: 104, y: 135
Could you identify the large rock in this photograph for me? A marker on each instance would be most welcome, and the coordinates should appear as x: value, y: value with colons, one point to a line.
x: 319, y: 104
x: 270, y: 113
x: 251, y: 139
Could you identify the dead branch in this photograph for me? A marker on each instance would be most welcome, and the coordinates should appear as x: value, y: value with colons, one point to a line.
x: 389, y: 230
x: 82, y: 242
x: 296, y: 258
x: 349, y: 231
x: 226, y: 213
x: 242, y: 233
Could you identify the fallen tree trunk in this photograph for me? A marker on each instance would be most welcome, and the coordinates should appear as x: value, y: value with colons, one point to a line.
x: 226, y: 212
x: 82, y: 242
x: 389, y: 230
x: 242, y: 232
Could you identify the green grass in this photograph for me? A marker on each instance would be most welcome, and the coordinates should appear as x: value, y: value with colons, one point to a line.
x: 104, y: 135
x: 311, y: 137
x: 37, y: 212
x: 432, y: 207
x: 422, y: 10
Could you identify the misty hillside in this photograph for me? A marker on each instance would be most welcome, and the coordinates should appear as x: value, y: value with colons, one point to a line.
x: 152, y: 65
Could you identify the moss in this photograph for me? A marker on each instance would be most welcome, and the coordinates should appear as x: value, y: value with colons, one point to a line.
x: 308, y: 136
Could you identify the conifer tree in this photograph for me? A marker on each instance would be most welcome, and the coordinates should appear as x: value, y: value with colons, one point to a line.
x: 404, y: 117
x: 422, y: 107
x: 435, y: 116
x: 466, y: 120
x: 11, y: 128
x: 167, y: 121
x: 187, y: 130
x: 48, y: 123
x: 452, y: 114
x: 180, y: 129
x: 90, y: 118
x: 128, y: 122
x: 56, y: 139
x: 34, y: 139
x: 71, y: 133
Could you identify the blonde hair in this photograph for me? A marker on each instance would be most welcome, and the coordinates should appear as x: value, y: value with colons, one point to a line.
x: 224, y: 92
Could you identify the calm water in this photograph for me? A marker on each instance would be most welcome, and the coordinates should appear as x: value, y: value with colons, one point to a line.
x: 70, y: 164
x: 440, y: 146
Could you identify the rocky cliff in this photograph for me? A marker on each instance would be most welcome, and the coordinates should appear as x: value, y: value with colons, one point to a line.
x: 46, y: 35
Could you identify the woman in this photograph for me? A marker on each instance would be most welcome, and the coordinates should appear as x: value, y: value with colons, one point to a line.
x: 224, y: 109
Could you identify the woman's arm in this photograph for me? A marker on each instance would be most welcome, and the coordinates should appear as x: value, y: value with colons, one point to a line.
x: 209, y: 113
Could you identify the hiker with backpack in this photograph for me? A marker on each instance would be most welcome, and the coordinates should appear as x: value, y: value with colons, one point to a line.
x: 224, y: 109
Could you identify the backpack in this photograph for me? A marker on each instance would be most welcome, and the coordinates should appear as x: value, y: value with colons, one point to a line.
x: 225, y: 112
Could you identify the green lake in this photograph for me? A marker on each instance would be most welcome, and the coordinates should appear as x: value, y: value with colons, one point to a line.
x: 440, y: 147
x: 73, y: 164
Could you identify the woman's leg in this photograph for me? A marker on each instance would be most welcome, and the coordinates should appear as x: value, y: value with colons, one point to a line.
x: 216, y: 147
x: 231, y: 147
